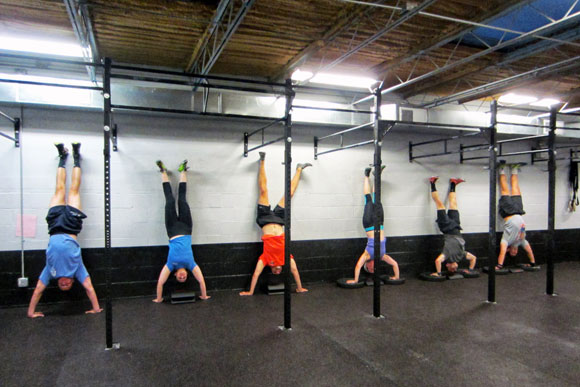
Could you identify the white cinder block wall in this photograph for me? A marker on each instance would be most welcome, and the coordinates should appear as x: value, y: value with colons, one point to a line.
x: 223, y: 184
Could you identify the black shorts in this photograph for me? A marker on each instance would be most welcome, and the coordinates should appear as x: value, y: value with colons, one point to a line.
x: 449, y: 222
x: 64, y: 220
x: 511, y: 205
x: 369, y: 214
x: 266, y: 215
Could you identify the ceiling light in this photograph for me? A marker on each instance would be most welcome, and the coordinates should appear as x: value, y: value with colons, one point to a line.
x: 301, y: 76
x: 546, y: 102
x: 343, y: 80
x: 516, y: 99
x: 389, y: 111
x: 40, y: 46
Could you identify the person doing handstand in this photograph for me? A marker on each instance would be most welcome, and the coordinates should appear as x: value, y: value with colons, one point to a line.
x: 65, y: 221
x: 511, y: 209
x: 366, y: 260
x: 450, y: 225
x: 179, y: 228
x: 272, y: 225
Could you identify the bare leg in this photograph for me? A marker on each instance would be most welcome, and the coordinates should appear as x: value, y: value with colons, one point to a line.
x: 452, y: 201
x: 503, y: 185
x: 367, y: 185
x: 438, y: 202
x: 293, y: 185
x: 182, y: 177
x: 515, y: 185
x: 164, y: 177
x: 263, y: 185
x: 74, y: 196
x: 58, y: 199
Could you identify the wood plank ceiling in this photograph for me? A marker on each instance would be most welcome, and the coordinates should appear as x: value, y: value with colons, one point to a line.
x: 277, y: 36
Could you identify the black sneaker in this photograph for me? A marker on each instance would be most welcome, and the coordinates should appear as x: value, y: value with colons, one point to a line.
x: 62, y: 151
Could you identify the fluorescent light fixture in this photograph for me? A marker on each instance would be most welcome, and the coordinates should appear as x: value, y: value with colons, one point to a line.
x: 301, y: 76
x: 333, y: 79
x: 40, y: 46
x: 516, y: 99
x: 545, y: 102
x: 343, y: 80
x: 389, y: 111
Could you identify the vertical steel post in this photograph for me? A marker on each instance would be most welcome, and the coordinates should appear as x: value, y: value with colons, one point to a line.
x: 246, y: 144
x: 492, y: 131
x: 551, y: 202
x: 315, y: 148
x: 287, y: 200
x: 17, y: 132
x: 107, y: 190
x: 377, y: 206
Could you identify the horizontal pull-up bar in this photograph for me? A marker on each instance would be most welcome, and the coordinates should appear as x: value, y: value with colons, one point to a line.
x: 567, y: 128
x: 16, y: 122
x: 438, y: 125
x: 188, y: 112
x: 522, y: 109
x: 316, y: 154
x: 248, y: 135
x: 530, y: 152
x: 333, y: 109
x: 7, y: 136
x: 13, y: 120
x: 520, y: 124
x: 51, y: 84
x: 192, y: 75
x: 55, y: 60
x: 346, y: 131
x: 444, y: 139
x: 263, y: 145
x: 523, y: 138
x: 266, y: 126
x: 190, y: 83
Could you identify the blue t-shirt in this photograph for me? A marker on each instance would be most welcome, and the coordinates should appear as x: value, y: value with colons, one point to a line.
x: 180, y: 254
x: 63, y: 259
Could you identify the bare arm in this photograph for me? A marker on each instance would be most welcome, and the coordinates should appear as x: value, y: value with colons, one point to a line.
x: 528, y: 250
x: 359, y: 264
x: 294, y: 270
x: 88, y: 285
x: 472, y: 260
x: 163, y: 276
x: 502, y: 250
x: 34, y: 300
x: 199, y: 277
x: 438, y: 261
x: 255, y: 276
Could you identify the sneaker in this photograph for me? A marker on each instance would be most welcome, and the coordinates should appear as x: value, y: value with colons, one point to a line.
x: 368, y: 171
x: 303, y: 165
x: 62, y: 151
x: 76, y: 148
x: 433, y: 179
x: 382, y: 168
x: 162, y: 168
x: 183, y: 166
x: 456, y: 180
x: 262, y: 156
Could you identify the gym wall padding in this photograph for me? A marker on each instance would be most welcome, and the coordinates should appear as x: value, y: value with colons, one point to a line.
x: 229, y: 266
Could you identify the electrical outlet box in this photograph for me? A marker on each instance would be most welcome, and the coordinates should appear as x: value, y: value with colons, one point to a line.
x: 23, y: 282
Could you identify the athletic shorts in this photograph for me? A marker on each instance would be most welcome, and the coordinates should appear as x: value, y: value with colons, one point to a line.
x: 511, y: 205
x: 64, y: 220
x: 266, y: 215
x: 449, y: 222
